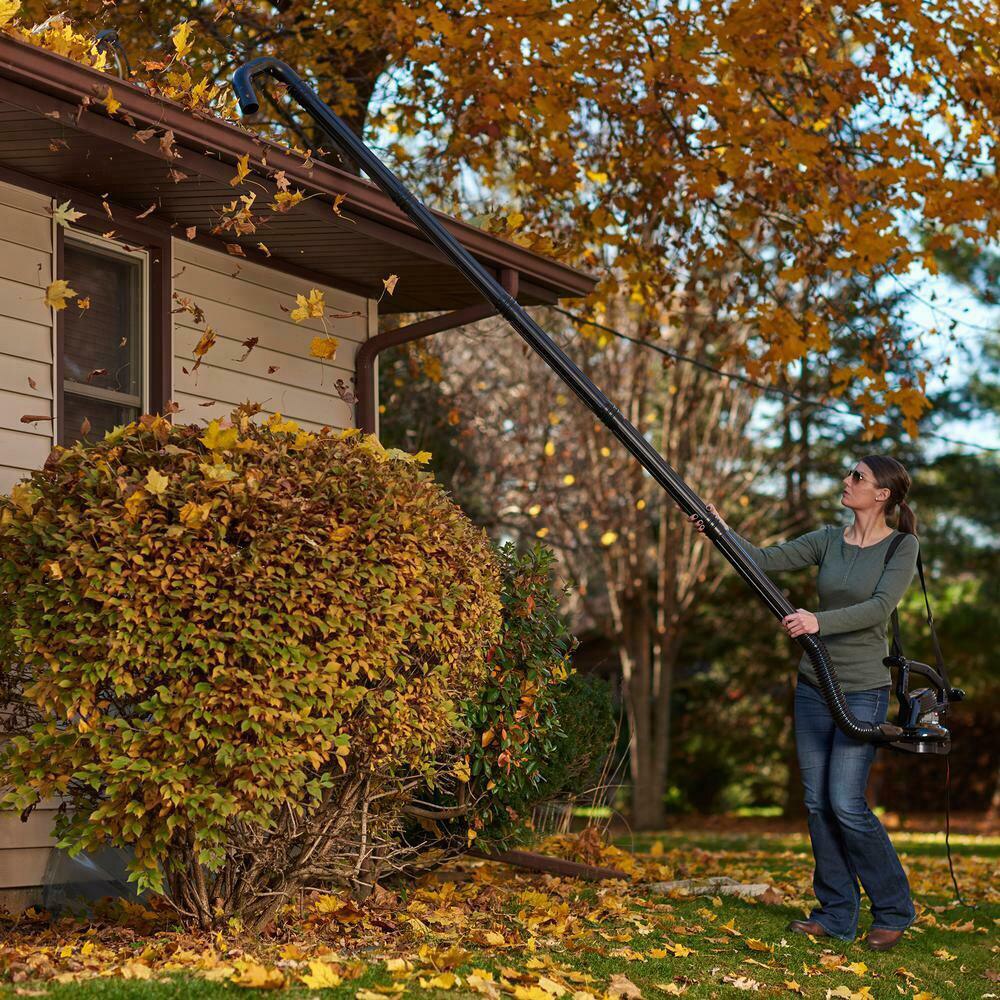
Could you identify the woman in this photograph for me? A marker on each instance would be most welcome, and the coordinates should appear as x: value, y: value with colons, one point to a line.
x: 857, y: 594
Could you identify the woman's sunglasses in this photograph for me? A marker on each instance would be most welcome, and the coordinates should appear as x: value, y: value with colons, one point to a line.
x: 856, y: 476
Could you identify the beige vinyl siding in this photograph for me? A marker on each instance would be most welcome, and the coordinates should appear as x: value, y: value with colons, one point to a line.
x: 243, y: 300
x: 26, y: 337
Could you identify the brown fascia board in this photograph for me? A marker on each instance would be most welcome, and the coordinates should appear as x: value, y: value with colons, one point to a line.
x: 52, y: 74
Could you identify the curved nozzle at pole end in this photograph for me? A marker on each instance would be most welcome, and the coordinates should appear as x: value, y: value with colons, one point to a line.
x: 243, y: 80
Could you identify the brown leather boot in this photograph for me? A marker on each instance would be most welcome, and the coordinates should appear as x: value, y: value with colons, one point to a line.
x: 808, y: 927
x: 882, y: 939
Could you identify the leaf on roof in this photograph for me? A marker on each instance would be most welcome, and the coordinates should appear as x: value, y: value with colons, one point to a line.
x: 242, y: 169
x: 182, y: 39
x: 57, y: 294
x: 64, y: 214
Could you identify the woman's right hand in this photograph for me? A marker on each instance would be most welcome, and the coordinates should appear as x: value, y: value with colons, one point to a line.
x: 700, y: 524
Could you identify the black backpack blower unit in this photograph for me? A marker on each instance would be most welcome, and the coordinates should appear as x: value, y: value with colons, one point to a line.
x: 918, y: 728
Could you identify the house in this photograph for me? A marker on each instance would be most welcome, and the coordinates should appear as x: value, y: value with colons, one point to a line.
x: 152, y: 279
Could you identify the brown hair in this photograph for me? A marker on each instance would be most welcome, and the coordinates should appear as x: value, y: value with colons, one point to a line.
x: 892, y: 476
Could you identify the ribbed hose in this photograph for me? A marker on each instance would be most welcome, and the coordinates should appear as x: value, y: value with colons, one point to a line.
x: 637, y: 445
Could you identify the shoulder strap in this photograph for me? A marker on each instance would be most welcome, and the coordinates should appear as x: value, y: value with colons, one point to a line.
x: 897, y: 648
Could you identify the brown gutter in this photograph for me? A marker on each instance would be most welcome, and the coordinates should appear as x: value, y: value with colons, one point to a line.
x: 367, y: 354
x: 49, y: 73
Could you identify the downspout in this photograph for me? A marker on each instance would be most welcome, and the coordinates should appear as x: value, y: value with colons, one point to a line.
x: 369, y: 351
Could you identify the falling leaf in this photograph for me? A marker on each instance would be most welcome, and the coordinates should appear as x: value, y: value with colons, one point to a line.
x: 271, y: 369
x: 205, y: 343
x: 58, y: 145
x: 285, y: 200
x: 191, y: 232
x: 311, y: 307
x: 111, y: 102
x: 156, y: 484
x: 32, y: 382
x: 96, y: 373
x: 324, y: 347
x: 242, y: 170
x: 83, y: 304
x: 549, y: 449
x: 144, y: 135
x: 235, y: 250
x: 609, y: 538
x: 250, y: 343
x: 64, y: 214
x: 143, y: 214
x: 57, y: 293
x: 29, y: 418
x: 181, y: 37
x: 390, y: 283
x: 166, y: 144
x: 262, y: 247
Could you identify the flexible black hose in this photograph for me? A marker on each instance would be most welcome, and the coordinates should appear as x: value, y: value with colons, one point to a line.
x: 637, y: 445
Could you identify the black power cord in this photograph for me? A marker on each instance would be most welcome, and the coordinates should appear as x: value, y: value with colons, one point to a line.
x: 947, y: 833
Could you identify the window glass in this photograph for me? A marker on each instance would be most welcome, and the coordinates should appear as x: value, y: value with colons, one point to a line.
x: 102, y: 345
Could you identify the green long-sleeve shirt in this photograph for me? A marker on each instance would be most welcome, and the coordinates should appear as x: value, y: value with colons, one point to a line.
x: 856, y: 597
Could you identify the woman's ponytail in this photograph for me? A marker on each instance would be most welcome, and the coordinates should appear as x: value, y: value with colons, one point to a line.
x: 907, y: 521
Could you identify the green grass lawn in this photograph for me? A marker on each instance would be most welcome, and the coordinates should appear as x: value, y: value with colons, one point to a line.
x: 946, y: 954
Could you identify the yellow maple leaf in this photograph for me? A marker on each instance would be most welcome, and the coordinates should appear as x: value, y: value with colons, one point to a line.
x: 217, y: 473
x: 257, y: 976
x: 309, y: 307
x: 755, y: 945
x: 194, y: 515
x: 8, y: 10
x: 111, y: 102
x: 205, y: 343
x: 182, y: 39
x: 156, y: 483
x: 219, y: 438
x: 134, y: 503
x: 324, y: 347
x: 57, y: 293
x: 276, y: 424
x: 443, y: 981
x: 321, y: 976
x: 390, y: 283
x: 609, y: 538
x: 858, y: 968
x: 242, y: 169
x: 285, y: 200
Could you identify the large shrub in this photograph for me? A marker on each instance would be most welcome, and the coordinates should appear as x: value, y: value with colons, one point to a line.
x: 243, y: 646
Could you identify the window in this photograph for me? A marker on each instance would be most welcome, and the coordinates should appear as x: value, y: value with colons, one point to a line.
x: 104, y: 356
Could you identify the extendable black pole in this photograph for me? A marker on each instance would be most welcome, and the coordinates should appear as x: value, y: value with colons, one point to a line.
x: 685, y: 498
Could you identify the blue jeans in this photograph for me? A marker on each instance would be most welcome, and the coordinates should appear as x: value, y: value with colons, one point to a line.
x: 848, y: 841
